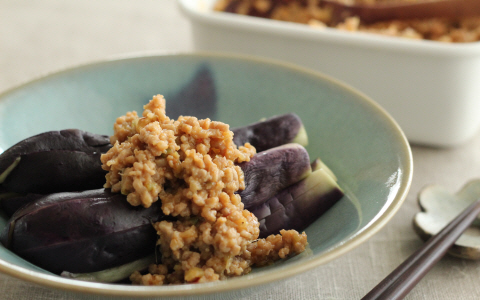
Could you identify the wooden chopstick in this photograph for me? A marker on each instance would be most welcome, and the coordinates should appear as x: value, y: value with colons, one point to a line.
x: 401, y: 281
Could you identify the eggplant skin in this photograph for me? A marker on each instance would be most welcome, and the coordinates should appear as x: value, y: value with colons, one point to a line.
x: 269, y: 172
x: 299, y: 205
x: 272, y: 132
x: 82, y: 232
x: 56, y: 171
x: 55, y: 161
x: 196, y: 98
x: 9, y: 205
x: 68, y: 139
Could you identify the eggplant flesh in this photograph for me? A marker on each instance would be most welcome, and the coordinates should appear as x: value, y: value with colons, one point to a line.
x: 114, y: 274
x: 299, y: 205
x: 272, y: 132
x: 82, y: 232
x: 270, y: 171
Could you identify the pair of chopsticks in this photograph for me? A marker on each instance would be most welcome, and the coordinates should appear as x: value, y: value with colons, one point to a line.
x: 411, y: 271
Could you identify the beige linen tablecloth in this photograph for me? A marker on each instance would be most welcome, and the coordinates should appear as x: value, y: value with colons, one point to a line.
x: 42, y: 36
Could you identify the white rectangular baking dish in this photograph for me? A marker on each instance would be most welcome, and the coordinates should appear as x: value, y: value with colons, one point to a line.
x: 432, y: 89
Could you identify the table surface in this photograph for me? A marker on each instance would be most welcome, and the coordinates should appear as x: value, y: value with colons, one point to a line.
x: 43, y: 36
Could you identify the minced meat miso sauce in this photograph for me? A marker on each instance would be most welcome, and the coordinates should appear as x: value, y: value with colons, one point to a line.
x: 190, y: 166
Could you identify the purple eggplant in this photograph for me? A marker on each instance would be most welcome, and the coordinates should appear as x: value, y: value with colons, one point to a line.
x: 82, y: 232
x: 115, y: 274
x: 51, y: 162
x: 67, y: 160
x: 319, y: 164
x: 92, y: 231
x: 272, y: 132
x: 299, y: 205
x: 268, y: 172
x: 198, y: 97
x: 11, y: 202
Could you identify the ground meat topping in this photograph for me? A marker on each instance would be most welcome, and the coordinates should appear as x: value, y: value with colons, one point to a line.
x: 150, y: 150
x: 190, y: 165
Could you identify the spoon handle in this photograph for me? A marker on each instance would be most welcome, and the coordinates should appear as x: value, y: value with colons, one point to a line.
x: 396, y: 11
x: 411, y: 271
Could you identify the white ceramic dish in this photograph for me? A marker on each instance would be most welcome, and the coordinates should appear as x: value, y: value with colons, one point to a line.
x: 430, y: 88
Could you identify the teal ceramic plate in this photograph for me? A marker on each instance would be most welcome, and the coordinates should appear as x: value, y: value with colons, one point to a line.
x: 355, y: 137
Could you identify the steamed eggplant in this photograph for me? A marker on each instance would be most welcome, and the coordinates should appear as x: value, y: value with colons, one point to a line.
x: 299, y: 205
x: 114, y: 274
x: 94, y: 230
x: 82, y: 232
x: 11, y: 202
x: 272, y: 132
x: 85, y: 232
x: 196, y: 98
x: 270, y: 171
x: 51, y: 162
x: 67, y: 160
